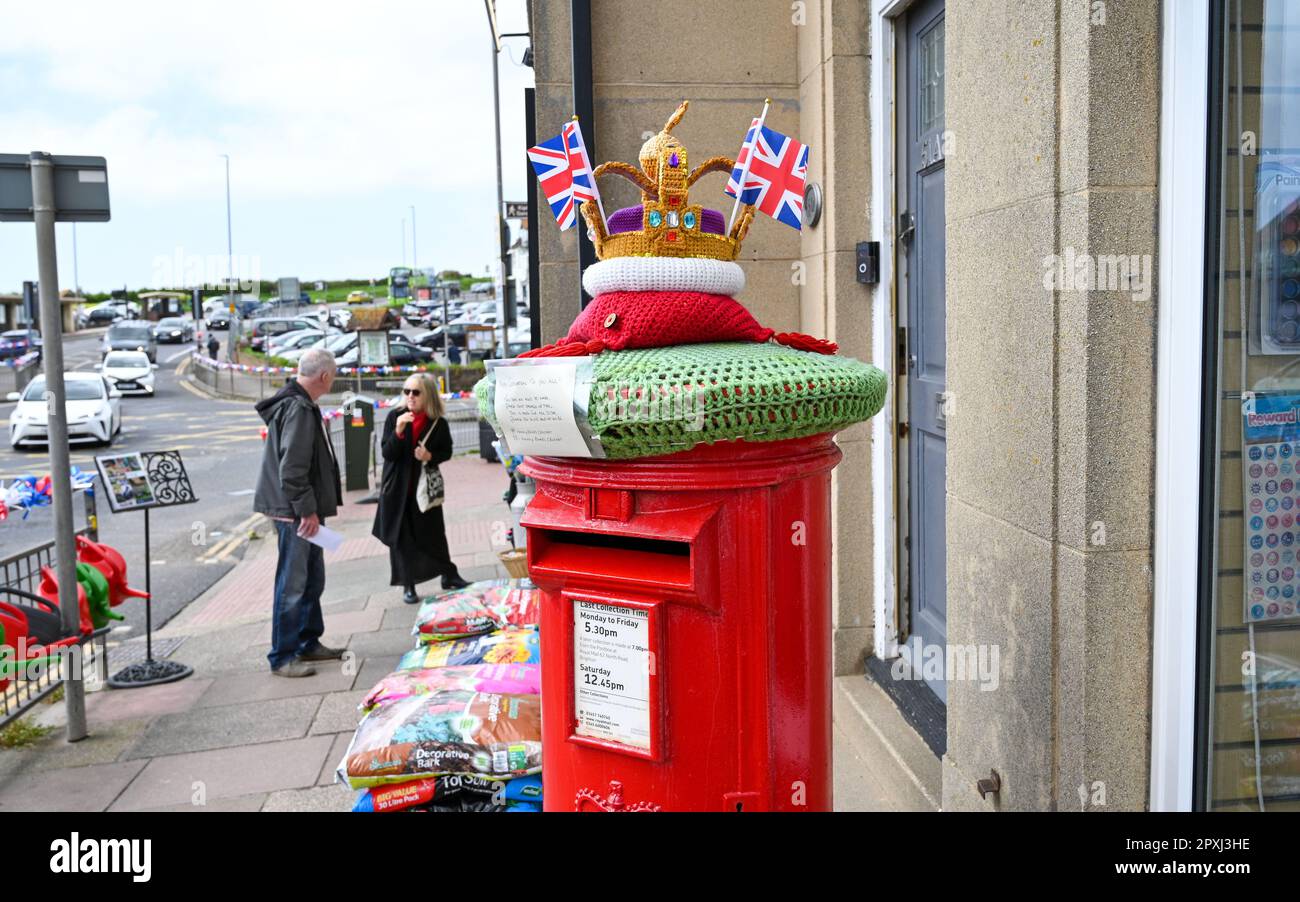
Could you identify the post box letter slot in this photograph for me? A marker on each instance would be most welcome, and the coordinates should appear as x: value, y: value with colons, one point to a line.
x: 612, y: 557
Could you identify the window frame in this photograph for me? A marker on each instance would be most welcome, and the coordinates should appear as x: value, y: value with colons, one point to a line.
x: 1180, y: 415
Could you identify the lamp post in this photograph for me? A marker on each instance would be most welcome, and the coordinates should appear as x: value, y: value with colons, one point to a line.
x: 232, y: 332
x: 503, y: 231
x: 415, y: 264
x: 76, y: 276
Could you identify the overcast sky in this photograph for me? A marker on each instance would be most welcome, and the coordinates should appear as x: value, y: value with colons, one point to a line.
x: 336, y: 120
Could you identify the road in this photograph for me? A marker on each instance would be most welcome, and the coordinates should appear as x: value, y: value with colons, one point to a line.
x: 191, y: 546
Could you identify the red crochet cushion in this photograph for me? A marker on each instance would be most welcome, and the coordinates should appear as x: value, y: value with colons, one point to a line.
x: 657, y: 319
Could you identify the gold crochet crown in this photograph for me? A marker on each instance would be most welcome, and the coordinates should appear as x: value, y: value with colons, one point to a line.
x: 671, y: 226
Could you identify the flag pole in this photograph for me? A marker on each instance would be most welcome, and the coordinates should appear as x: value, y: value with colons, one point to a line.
x: 740, y: 185
x: 586, y: 161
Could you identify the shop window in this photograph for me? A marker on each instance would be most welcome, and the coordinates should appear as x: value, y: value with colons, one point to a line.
x: 1248, y: 754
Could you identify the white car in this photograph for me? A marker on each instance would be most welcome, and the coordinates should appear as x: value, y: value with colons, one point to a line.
x: 130, y: 372
x: 93, y: 410
x: 335, y: 343
x: 298, y: 340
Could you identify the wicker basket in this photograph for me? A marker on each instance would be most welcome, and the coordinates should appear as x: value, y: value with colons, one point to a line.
x: 515, y: 561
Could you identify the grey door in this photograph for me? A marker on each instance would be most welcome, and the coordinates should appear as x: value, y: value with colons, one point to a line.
x: 922, y: 152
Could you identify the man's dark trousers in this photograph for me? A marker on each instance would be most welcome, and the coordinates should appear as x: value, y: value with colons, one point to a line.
x: 296, y: 622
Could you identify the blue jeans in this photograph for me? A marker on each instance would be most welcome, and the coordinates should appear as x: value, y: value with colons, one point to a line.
x: 297, y: 622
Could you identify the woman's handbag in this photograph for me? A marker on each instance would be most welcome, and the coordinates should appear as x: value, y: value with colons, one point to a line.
x: 429, y: 492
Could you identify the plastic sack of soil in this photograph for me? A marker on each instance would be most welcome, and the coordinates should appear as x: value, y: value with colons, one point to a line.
x: 446, y: 732
x: 479, y: 608
x: 512, y: 646
x: 454, y: 792
x: 509, y: 679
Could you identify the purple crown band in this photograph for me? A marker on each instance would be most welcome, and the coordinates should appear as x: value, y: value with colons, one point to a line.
x: 628, y: 219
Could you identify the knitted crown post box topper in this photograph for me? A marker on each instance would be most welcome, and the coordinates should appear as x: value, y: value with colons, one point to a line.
x: 662, y: 293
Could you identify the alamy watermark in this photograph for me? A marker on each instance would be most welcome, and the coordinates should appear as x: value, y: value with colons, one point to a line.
x: 949, y: 663
x: 31, y: 661
x: 210, y: 272
x: 629, y: 403
x: 1072, y: 271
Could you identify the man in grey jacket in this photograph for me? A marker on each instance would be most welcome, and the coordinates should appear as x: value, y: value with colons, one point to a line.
x: 297, y: 488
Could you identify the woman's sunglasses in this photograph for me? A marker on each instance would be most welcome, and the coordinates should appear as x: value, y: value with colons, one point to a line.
x: 410, y: 391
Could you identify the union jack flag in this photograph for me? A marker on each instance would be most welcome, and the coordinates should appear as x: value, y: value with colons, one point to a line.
x: 776, y: 177
x: 564, y: 171
x: 551, y: 163
x: 584, y: 186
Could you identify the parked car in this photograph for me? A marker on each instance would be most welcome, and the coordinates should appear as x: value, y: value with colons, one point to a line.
x: 300, y: 339
x: 338, y: 319
x: 105, y: 315
x: 222, y: 302
x: 359, y: 297
x: 130, y: 372
x: 400, y: 353
x: 173, y: 329
x: 403, y: 353
x: 295, y: 354
x: 92, y: 404
x: 282, y: 304
x: 131, y: 335
x: 17, y: 342
x: 433, y: 338
x: 248, y: 309
x: 266, y: 327
x: 336, y: 344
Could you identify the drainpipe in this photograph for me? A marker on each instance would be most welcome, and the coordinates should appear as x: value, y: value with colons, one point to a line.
x: 584, y: 109
x: 534, y: 246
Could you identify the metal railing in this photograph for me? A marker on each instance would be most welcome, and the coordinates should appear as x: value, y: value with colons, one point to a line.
x: 20, y: 577
x: 462, y: 418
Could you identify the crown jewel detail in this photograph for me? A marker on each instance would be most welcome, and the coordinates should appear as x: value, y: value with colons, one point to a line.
x: 671, y: 226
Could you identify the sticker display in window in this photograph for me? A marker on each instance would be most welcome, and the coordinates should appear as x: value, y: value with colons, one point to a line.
x: 1271, y: 479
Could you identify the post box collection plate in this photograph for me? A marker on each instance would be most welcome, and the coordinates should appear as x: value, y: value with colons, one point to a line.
x: 613, y: 678
x: 611, y: 666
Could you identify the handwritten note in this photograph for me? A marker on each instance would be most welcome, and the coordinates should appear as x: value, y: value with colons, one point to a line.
x: 534, y: 407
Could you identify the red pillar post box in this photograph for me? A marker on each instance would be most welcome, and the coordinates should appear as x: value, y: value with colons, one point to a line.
x: 685, y: 627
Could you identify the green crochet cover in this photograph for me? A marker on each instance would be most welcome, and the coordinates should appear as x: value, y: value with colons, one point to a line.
x: 654, y: 401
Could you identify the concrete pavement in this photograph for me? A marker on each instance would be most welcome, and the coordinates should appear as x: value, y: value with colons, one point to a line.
x: 234, y: 738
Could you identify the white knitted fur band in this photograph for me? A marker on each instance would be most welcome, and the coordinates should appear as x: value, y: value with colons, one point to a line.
x: 664, y: 274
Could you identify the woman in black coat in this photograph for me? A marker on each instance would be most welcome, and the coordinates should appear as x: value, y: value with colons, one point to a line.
x: 414, y: 432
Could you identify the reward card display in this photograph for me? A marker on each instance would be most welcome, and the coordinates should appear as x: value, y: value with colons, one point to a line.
x: 1271, y: 482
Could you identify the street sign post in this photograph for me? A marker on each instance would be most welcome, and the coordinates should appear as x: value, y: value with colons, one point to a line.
x: 289, y: 289
x: 31, y: 315
x: 516, y: 209
x: 43, y: 189
x: 79, y: 188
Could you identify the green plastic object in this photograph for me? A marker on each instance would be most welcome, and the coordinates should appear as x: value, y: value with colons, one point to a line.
x: 654, y: 401
x: 96, y: 587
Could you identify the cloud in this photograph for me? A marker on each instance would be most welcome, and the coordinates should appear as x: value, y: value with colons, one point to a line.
x: 304, y: 98
x: 351, y: 113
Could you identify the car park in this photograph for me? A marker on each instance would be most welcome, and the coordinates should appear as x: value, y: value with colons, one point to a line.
x: 174, y: 329
x: 92, y: 404
x: 130, y: 372
x: 18, y: 342
x: 131, y: 335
